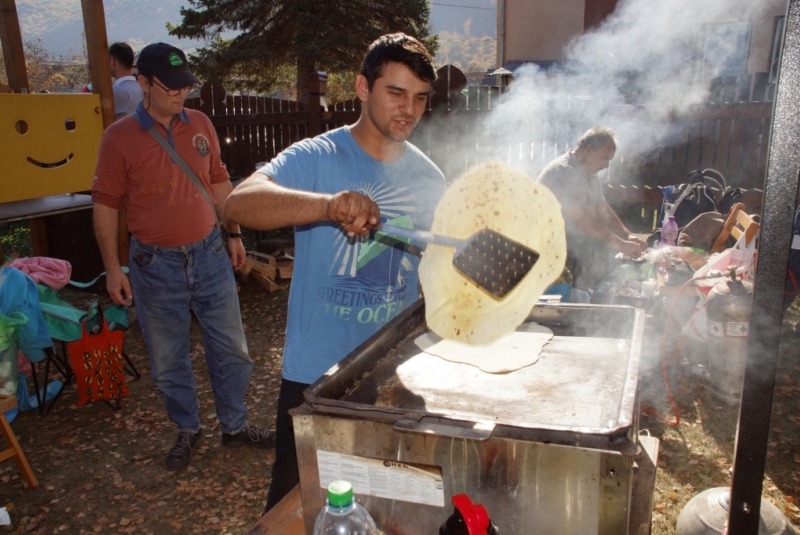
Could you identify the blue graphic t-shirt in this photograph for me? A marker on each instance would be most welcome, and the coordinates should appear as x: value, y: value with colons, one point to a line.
x: 344, y: 289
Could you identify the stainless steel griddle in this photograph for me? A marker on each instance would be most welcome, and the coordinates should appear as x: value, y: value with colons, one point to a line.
x: 552, y: 441
x: 578, y: 384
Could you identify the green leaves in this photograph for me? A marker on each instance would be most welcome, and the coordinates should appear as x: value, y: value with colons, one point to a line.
x: 305, y: 34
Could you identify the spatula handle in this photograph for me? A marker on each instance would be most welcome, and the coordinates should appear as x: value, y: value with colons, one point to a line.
x: 420, y: 235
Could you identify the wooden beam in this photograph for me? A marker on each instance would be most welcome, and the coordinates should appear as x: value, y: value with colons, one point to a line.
x: 94, y: 24
x: 13, y: 49
x: 39, y: 237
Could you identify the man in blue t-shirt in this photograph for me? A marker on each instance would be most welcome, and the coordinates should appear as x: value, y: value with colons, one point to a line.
x: 334, y: 189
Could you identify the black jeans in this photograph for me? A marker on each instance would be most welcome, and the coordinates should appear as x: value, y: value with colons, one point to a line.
x: 285, y: 475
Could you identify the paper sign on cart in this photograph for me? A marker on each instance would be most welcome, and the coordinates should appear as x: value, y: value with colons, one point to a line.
x: 383, y: 478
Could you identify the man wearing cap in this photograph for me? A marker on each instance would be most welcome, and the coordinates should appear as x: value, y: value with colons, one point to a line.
x: 178, y: 260
x: 127, y: 93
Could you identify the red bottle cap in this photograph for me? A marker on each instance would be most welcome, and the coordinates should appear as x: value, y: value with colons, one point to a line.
x: 475, y: 516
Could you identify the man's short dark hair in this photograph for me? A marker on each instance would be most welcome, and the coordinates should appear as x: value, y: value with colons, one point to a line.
x: 123, y: 53
x: 400, y: 48
x: 596, y: 137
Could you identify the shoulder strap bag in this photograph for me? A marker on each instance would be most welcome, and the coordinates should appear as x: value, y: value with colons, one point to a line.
x: 182, y: 164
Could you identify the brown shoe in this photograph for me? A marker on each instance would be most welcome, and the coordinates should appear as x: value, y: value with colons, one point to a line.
x: 249, y: 436
x: 180, y: 452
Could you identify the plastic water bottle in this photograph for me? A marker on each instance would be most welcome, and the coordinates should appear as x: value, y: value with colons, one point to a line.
x: 669, y: 232
x: 342, y: 515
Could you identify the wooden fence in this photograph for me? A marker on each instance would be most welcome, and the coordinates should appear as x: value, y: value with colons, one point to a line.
x: 254, y: 129
x: 730, y: 135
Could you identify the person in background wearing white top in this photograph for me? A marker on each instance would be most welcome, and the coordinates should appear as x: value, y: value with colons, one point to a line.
x: 127, y: 92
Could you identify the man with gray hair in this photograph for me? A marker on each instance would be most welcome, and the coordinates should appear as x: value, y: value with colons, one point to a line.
x: 594, y: 232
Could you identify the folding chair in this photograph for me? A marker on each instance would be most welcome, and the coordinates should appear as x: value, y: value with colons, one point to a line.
x: 13, y: 449
x: 48, y: 319
x: 19, y: 297
x: 738, y: 224
x: 64, y: 322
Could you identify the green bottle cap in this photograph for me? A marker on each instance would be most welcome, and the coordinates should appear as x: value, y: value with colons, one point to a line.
x: 340, y: 493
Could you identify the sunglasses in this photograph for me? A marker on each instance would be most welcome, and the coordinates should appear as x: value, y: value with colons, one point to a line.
x: 173, y: 92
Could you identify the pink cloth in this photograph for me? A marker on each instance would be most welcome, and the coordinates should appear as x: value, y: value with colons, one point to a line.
x: 52, y: 272
x: 23, y: 363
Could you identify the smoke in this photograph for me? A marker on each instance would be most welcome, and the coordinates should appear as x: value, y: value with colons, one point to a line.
x: 647, y: 63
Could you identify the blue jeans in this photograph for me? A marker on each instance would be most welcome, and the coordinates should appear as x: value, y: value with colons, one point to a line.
x: 169, y: 283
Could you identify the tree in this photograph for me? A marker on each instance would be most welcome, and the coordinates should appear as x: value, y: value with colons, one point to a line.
x: 76, y: 70
x: 308, y: 35
x: 470, y: 54
x: 41, y: 67
x: 49, y: 73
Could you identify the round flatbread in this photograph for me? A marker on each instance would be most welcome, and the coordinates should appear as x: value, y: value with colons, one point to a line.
x: 508, y: 353
x: 494, y: 196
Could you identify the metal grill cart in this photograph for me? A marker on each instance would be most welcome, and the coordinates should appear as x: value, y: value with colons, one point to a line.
x: 547, y: 449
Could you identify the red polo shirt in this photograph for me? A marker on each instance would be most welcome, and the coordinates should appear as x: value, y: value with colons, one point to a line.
x: 163, y: 206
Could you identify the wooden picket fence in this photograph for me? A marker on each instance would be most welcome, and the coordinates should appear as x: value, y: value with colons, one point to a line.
x: 254, y: 129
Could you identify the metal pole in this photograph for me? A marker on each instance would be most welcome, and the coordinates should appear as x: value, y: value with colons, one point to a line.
x: 780, y: 192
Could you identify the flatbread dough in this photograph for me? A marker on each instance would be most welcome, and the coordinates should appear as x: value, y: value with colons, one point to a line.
x: 491, y: 195
x: 509, y: 353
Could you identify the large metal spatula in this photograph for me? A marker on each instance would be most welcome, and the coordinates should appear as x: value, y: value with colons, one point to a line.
x: 487, y: 258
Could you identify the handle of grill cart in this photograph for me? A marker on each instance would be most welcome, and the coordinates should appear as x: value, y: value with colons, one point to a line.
x: 448, y: 428
x: 624, y: 444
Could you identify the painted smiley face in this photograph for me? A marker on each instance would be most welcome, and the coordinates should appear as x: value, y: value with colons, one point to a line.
x: 50, y: 144
x: 69, y: 125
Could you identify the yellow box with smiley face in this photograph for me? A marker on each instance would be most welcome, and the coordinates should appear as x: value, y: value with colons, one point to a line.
x: 50, y: 144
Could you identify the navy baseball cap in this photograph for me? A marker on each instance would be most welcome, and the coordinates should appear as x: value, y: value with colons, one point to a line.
x: 167, y: 63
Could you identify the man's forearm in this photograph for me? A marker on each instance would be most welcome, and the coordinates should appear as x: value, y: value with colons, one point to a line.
x: 613, y: 222
x: 106, y: 228
x: 261, y: 204
x: 221, y: 192
x: 616, y: 237
x: 594, y: 227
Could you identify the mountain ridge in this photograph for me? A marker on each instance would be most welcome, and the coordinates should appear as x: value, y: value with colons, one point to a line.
x: 59, y: 23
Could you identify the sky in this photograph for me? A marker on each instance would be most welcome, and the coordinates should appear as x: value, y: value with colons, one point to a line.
x: 58, y: 23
